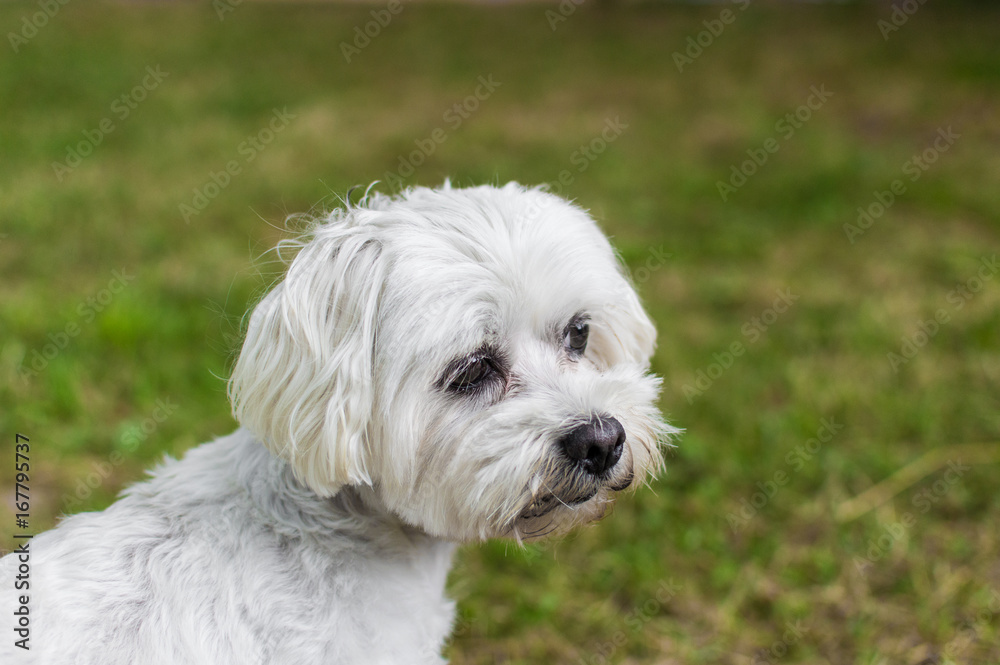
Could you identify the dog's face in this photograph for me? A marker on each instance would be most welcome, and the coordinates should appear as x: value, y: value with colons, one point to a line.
x: 474, y: 355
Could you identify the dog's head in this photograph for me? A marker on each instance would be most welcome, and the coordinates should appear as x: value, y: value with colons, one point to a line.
x: 476, y: 356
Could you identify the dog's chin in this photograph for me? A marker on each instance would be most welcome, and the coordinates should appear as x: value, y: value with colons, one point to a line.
x: 556, y: 513
x: 546, y: 504
x: 624, y: 483
x: 552, y: 517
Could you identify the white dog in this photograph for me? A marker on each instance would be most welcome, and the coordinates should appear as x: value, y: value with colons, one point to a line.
x: 440, y: 367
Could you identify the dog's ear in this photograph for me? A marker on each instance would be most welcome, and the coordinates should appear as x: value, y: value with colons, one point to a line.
x: 625, y: 333
x: 304, y: 379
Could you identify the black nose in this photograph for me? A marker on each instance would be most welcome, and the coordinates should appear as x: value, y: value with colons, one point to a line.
x: 596, y: 446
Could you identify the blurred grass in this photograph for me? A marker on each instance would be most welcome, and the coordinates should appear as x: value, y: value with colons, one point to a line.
x: 666, y: 579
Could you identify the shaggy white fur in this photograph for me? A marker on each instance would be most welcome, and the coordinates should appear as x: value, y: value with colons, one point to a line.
x: 439, y: 367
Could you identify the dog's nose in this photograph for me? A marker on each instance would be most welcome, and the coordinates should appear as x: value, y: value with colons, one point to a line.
x: 596, y: 446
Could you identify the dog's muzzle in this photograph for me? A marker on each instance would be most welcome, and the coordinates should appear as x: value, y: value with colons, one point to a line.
x: 592, y: 451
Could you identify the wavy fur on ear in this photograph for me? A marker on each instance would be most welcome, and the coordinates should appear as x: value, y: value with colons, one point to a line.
x: 629, y: 335
x: 303, y: 380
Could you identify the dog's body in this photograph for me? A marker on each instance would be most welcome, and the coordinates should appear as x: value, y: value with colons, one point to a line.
x: 223, y: 557
x: 445, y: 366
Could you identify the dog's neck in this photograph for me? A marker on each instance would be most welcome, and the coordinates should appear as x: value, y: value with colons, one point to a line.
x: 235, y: 515
x: 352, y: 515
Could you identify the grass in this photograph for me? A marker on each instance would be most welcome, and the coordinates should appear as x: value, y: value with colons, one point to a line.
x: 678, y: 574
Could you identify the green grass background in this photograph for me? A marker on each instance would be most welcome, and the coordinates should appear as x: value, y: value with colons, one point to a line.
x: 666, y: 579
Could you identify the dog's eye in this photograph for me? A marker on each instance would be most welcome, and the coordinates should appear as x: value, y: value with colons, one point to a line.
x: 473, y: 374
x: 576, y: 337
